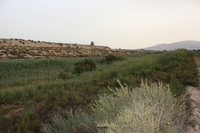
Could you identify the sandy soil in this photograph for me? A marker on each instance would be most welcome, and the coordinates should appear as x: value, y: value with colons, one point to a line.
x: 194, y: 120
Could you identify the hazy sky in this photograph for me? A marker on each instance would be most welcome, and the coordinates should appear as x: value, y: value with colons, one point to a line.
x: 114, y: 23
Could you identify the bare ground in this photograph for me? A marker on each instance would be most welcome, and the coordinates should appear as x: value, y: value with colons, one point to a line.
x: 194, y: 119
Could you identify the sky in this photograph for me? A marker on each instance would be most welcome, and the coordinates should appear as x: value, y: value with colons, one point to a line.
x: 127, y: 24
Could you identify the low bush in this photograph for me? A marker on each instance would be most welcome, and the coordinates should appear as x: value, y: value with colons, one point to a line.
x: 65, y: 75
x: 84, y: 66
x: 111, y: 58
x: 28, y: 122
x: 75, y: 122
x: 148, y: 109
x: 176, y: 68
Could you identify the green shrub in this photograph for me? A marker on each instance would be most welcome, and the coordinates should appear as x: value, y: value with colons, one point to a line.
x: 84, y: 66
x: 64, y: 75
x: 111, y: 58
x: 176, y: 68
x: 76, y: 122
x: 177, y: 55
x: 28, y: 122
x: 148, y: 109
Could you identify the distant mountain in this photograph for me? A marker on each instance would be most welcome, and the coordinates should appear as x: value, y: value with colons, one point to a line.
x: 190, y: 45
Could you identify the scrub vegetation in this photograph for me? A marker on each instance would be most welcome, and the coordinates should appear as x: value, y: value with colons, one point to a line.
x: 150, y: 108
x: 54, y: 95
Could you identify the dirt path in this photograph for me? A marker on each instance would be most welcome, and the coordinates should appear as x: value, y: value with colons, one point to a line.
x: 194, y: 120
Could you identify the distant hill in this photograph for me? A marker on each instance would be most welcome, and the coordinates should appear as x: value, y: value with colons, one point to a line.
x: 190, y: 45
x: 29, y: 49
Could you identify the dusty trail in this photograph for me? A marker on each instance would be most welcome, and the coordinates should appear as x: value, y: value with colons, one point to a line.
x: 194, y: 120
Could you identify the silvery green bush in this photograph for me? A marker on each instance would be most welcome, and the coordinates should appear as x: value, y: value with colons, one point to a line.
x: 150, y: 108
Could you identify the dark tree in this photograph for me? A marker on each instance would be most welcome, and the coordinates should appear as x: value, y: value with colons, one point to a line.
x: 92, y: 43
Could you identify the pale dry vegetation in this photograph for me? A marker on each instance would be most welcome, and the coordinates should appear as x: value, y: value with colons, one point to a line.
x: 29, y: 49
